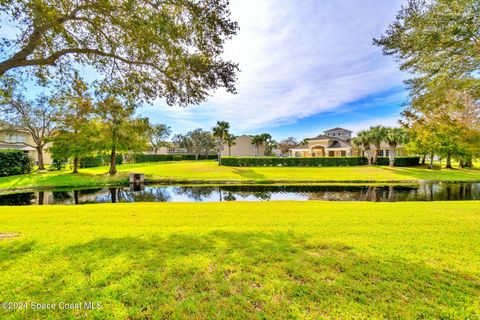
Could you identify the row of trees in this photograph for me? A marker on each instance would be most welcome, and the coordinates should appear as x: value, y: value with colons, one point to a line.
x: 162, y: 49
x: 438, y: 43
x: 78, y: 124
x: 374, y: 136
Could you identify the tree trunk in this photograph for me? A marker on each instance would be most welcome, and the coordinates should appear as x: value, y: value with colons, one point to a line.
x: 196, y: 156
x: 75, y: 196
x: 41, y: 165
x: 229, y: 151
x: 113, y: 194
x: 391, y: 156
x: 449, y: 161
x: 469, y: 162
x: 375, y: 155
x: 75, y: 165
x: 391, y: 194
x: 369, y: 157
x: 41, y: 197
x: 113, y: 165
x: 430, y: 166
x: 423, y: 159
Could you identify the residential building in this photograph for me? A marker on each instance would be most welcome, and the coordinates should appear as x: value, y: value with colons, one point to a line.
x: 22, y: 140
x: 244, y: 148
x: 337, y: 142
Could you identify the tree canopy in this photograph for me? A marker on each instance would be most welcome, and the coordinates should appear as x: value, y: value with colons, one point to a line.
x: 145, y: 49
x: 438, y: 42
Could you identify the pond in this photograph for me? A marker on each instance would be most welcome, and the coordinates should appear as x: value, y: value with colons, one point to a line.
x: 161, y: 193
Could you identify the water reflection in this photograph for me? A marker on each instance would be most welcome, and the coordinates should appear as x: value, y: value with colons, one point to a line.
x: 421, y: 192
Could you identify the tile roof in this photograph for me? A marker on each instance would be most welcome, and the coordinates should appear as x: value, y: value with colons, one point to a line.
x: 337, y: 128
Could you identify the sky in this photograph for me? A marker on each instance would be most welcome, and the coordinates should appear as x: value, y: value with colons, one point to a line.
x: 306, y: 66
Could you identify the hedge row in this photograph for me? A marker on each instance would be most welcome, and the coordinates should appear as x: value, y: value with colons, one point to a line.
x: 99, y: 160
x: 314, y: 162
x: 399, y: 161
x: 139, y: 158
x: 293, y: 162
x: 14, y: 162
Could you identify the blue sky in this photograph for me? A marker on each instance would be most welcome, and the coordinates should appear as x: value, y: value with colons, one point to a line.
x: 306, y: 66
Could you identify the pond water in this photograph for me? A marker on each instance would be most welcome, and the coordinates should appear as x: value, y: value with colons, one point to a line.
x: 161, y: 193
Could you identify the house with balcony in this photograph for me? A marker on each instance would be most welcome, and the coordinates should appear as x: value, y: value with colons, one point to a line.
x: 337, y: 142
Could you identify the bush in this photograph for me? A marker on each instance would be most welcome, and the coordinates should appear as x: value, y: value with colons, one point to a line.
x: 14, y: 162
x: 314, y: 162
x: 99, y: 160
x: 399, y: 161
x: 293, y: 162
x: 90, y: 162
x: 58, y: 163
x: 140, y: 158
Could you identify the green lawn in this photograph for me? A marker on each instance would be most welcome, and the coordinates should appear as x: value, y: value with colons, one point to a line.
x: 209, y: 171
x: 304, y: 260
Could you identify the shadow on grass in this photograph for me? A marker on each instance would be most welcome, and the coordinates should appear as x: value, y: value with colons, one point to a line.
x: 246, y: 275
x: 12, y: 249
x: 424, y: 173
x: 249, y: 174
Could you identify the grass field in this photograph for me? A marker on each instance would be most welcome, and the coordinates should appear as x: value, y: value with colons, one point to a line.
x: 209, y: 171
x: 244, y: 260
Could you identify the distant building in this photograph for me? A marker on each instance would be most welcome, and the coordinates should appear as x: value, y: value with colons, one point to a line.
x: 337, y: 142
x: 244, y: 148
x: 21, y: 140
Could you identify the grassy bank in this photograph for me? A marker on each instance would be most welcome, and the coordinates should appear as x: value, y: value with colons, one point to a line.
x: 245, y: 260
x: 210, y: 172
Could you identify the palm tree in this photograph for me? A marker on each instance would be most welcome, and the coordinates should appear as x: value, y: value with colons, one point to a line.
x: 363, y: 139
x: 377, y: 135
x: 257, y: 140
x: 219, y: 132
x: 230, y: 141
x: 265, y: 139
x: 394, y: 137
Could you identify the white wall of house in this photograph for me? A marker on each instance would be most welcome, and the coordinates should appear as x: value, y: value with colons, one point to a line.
x: 17, y: 139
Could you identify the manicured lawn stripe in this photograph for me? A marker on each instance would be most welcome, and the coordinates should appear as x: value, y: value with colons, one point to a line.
x: 210, y: 172
x: 245, y: 260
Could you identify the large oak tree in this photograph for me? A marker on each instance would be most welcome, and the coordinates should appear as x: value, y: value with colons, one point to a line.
x: 145, y: 48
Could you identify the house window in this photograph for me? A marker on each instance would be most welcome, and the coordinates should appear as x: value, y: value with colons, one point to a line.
x: 13, y: 138
x: 387, y: 153
x: 380, y: 153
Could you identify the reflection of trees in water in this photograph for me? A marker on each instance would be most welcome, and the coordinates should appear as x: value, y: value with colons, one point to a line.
x: 155, y: 194
x: 229, y: 196
x: 262, y: 195
x: 17, y: 199
x: 195, y: 193
x: 82, y: 192
x: 61, y: 196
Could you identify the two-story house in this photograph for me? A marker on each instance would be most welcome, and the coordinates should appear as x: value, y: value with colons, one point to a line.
x: 337, y: 142
x: 21, y: 140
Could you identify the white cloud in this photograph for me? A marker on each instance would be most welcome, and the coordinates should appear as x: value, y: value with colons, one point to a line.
x: 297, y: 58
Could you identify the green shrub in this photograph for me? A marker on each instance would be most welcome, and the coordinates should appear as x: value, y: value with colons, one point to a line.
x: 399, y: 161
x: 293, y: 162
x: 92, y: 161
x: 314, y: 162
x: 14, y: 162
x: 58, y: 163
x: 99, y: 160
x: 140, y: 158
